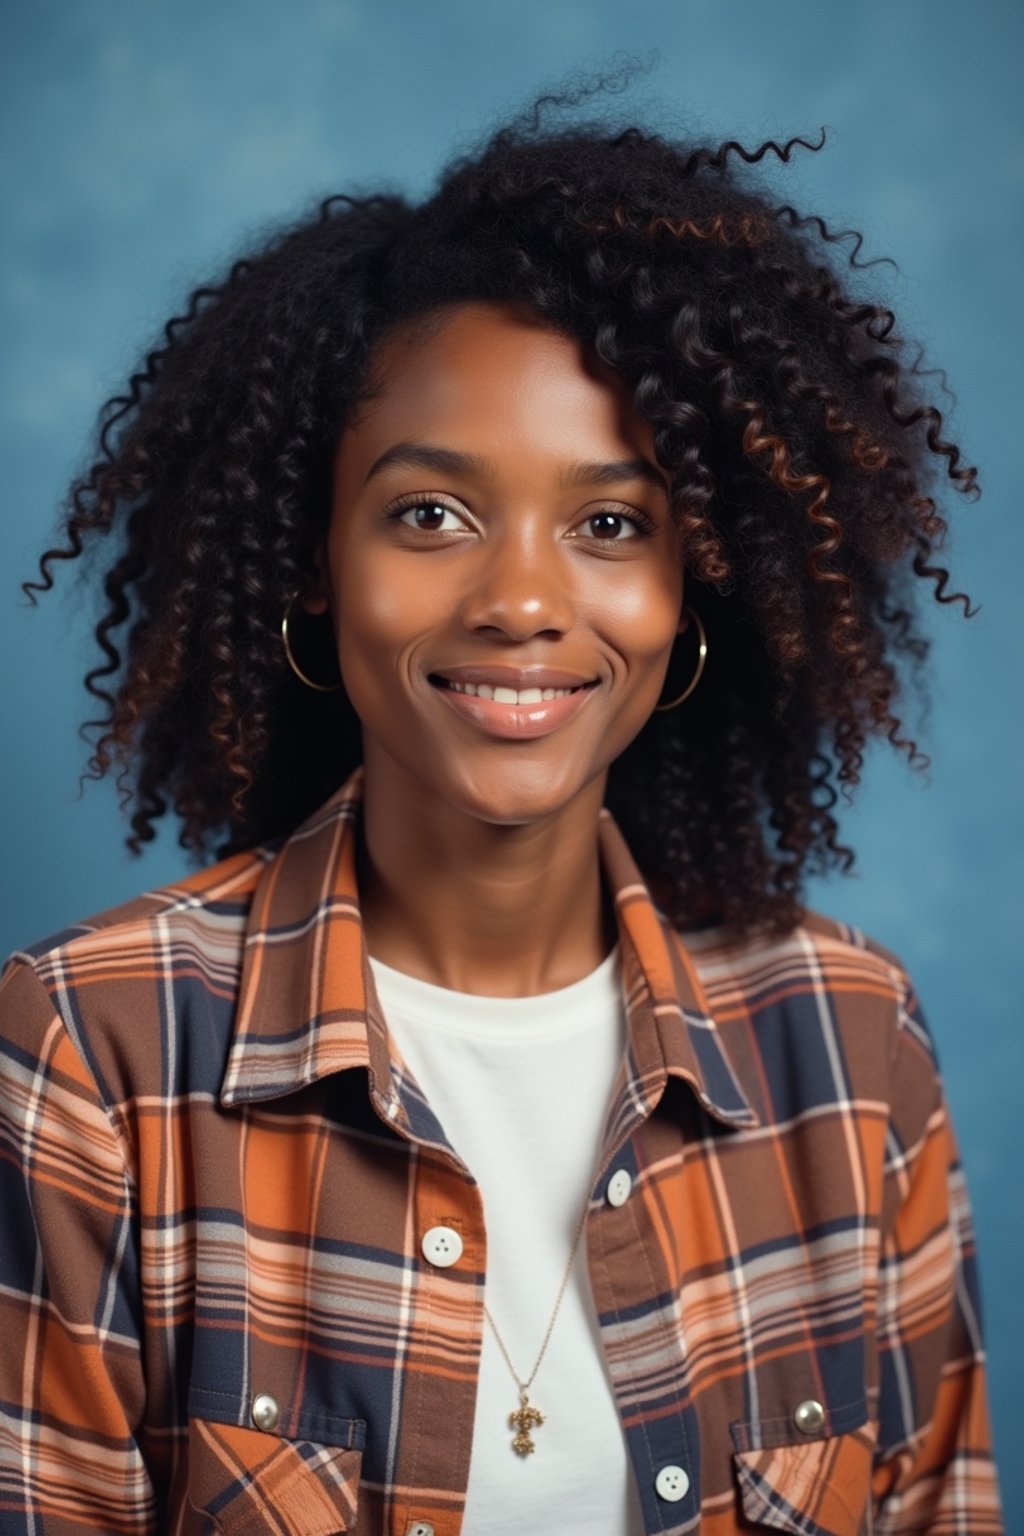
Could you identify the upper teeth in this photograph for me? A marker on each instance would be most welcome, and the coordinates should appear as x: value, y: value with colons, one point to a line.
x: 509, y: 695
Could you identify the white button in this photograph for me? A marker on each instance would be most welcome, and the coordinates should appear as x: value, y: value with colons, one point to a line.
x: 420, y: 1528
x: 619, y: 1186
x: 672, y: 1483
x: 442, y: 1246
x: 809, y: 1416
x: 265, y: 1413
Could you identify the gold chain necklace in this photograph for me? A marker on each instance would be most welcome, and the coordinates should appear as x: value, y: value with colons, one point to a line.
x: 526, y: 1417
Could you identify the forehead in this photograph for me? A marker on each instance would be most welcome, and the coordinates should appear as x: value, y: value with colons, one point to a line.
x: 484, y: 370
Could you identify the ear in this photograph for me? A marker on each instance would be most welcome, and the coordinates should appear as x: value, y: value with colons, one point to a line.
x: 316, y: 597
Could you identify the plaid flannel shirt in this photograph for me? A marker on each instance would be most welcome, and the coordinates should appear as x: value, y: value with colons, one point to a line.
x: 216, y: 1171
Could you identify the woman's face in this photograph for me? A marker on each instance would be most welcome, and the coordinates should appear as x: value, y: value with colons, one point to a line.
x: 498, y: 514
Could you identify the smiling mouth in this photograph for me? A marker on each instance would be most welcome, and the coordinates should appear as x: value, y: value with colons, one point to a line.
x: 513, y: 714
x: 500, y: 694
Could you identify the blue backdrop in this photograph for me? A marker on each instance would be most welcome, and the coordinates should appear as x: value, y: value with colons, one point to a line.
x: 144, y: 142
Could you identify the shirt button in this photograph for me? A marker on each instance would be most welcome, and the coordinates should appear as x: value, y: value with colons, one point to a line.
x: 619, y: 1186
x: 672, y: 1483
x: 265, y: 1412
x: 809, y: 1416
x: 442, y: 1246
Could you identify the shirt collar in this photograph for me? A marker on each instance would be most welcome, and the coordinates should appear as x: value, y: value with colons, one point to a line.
x: 307, y: 1004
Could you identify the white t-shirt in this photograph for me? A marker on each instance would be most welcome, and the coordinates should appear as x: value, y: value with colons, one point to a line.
x: 495, y: 1072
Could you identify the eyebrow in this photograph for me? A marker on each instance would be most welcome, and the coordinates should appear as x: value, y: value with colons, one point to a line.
x: 452, y: 462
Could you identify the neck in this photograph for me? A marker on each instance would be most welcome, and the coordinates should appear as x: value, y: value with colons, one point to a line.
x: 476, y: 906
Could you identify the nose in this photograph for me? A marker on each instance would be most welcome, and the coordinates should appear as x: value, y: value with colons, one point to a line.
x: 518, y: 587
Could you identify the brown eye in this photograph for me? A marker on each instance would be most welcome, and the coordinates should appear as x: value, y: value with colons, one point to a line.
x: 608, y: 525
x: 428, y: 515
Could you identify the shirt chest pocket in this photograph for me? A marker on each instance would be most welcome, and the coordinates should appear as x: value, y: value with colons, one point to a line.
x: 816, y: 1484
x: 245, y: 1482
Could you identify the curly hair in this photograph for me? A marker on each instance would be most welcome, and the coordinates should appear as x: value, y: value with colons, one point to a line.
x: 800, y: 450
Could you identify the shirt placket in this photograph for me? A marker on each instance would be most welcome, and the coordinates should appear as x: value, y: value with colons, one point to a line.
x: 632, y: 1292
x: 447, y: 1246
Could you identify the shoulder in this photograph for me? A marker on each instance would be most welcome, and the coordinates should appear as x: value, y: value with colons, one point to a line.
x: 820, y: 951
x: 825, y: 978
x: 107, y: 980
x: 211, y: 899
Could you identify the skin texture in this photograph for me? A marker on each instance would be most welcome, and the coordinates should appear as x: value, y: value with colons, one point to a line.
x: 480, y: 867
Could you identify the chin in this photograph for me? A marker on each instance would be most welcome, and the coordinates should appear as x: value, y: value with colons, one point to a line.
x: 517, y: 793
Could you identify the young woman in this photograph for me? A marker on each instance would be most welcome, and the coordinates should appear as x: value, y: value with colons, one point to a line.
x: 489, y: 1139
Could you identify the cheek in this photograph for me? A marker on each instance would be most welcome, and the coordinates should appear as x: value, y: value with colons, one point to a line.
x: 385, y: 608
x: 641, y: 618
x: 373, y: 610
x: 383, y: 601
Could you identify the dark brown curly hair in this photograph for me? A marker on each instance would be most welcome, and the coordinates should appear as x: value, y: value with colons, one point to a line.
x: 800, y: 451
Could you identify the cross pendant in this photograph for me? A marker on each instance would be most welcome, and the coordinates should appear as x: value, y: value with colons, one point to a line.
x: 523, y: 1420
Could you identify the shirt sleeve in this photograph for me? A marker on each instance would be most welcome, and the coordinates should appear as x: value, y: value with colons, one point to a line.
x: 934, y: 1468
x: 72, y: 1387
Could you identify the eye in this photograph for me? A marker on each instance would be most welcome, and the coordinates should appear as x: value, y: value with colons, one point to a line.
x: 611, y: 521
x: 435, y: 510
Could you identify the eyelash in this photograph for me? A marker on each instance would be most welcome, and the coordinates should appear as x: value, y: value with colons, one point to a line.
x: 643, y: 524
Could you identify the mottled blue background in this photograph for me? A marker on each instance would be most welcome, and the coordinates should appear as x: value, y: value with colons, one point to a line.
x: 144, y: 142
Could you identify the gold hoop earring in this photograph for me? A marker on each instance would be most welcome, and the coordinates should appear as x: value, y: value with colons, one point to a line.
x: 702, y: 654
x: 320, y: 687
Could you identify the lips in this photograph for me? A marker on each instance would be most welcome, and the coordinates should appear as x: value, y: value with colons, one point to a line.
x: 523, y: 712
